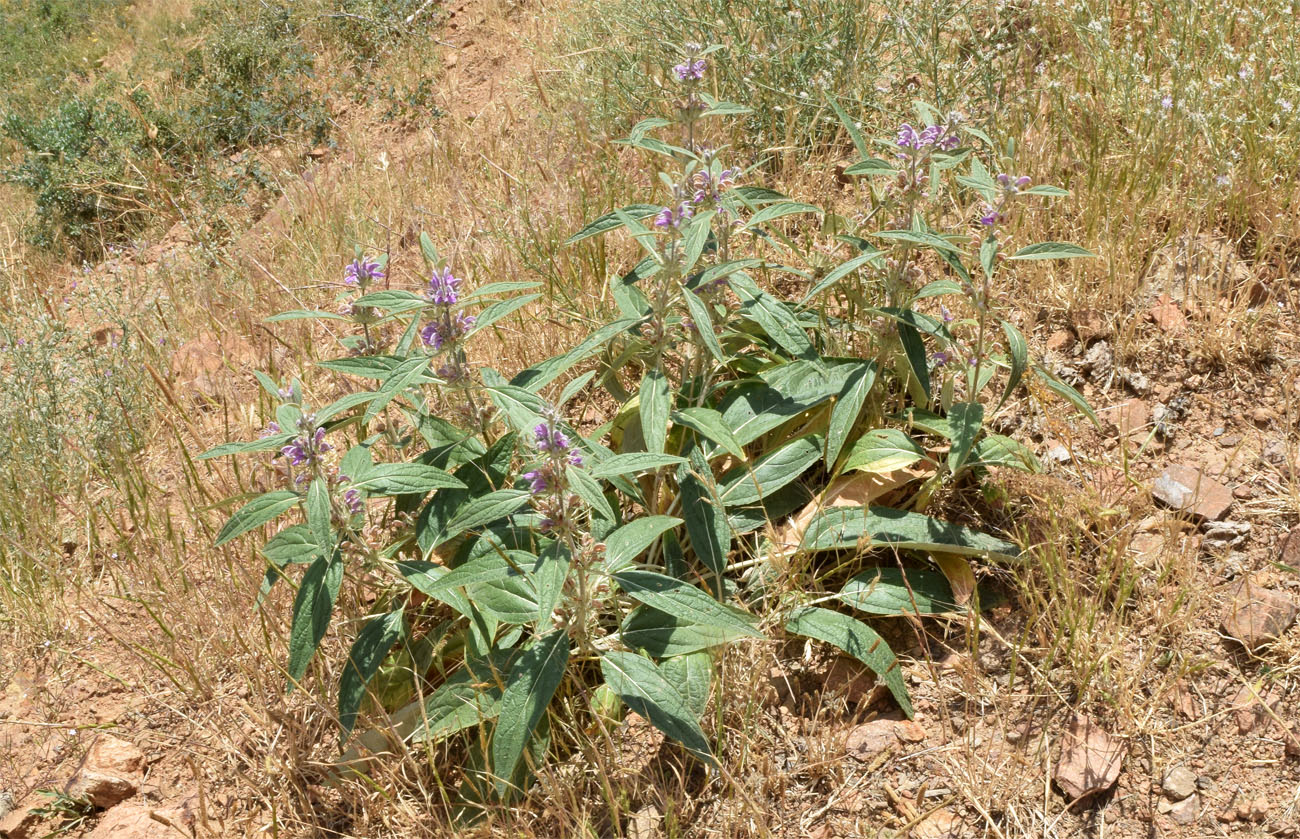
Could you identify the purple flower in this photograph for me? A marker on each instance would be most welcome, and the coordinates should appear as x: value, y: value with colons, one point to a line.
x: 536, y: 480
x: 991, y: 216
x: 690, y: 70
x: 940, y: 359
x: 442, y: 288
x: 673, y: 217
x: 938, y: 136
x: 361, y: 271
x: 306, y: 450
x: 908, y: 138
x: 436, y: 334
x: 432, y: 336
x: 352, y: 500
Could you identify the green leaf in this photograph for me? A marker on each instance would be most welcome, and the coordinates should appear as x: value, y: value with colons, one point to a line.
x: 704, y: 326
x: 499, y: 287
x: 841, y: 528
x: 1019, y: 359
x: 938, y: 288
x: 752, y: 409
x: 840, y: 272
x: 693, y: 675
x: 706, y: 518
x: 645, y: 690
x: 859, y: 142
x: 1046, y: 189
x: 511, y: 598
x: 532, y: 681
x: 913, y: 237
x: 914, y: 349
x: 365, y: 366
x: 486, y: 509
x: 610, y: 221
x: 499, y: 310
x: 882, y: 450
x: 392, y: 299
x: 745, y: 485
x: 1052, y: 250
x: 989, y: 254
x: 1067, y: 393
x: 656, y: 404
x: 844, y: 416
x: 997, y: 450
x: 403, y: 376
x: 885, y: 591
x: 539, y: 375
x: 627, y: 464
x: 257, y: 512
x: 781, y: 209
x: 871, y: 166
x: 774, y: 317
x: 461, y: 702
x: 318, y: 513
x: 549, y: 575
x: 291, y: 546
x: 624, y: 545
x: 405, y: 479
x: 311, y: 613
x: 930, y: 423
x: 754, y: 195
x: 267, y: 444
x: 684, y: 601
x: 858, y: 640
x: 710, y: 424
x: 967, y: 418
x: 367, y: 653
x: 662, y: 635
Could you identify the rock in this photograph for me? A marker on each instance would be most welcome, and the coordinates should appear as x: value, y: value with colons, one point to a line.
x: 1136, y: 381
x: 1186, y: 811
x: 1262, y: 416
x: 1189, y: 490
x: 131, y: 821
x: 1184, y: 702
x: 1127, y: 418
x: 910, y: 731
x: 19, y: 823
x: 867, y: 741
x: 1257, y: 616
x: 1290, y: 553
x: 1089, y: 324
x: 1167, y: 316
x: 1292, y: 738
x: 1060, y: 341
x: 1091, y: 759
x: 1251, y: 708
x: 941, y: 824
x: 102, y: 790
x: 1254, y: 810
x: 645, y: 823
x: 1179, y: 783
x: 847, y: 677
x: 1225, y: 534
x: 111, y: 755
x: 1099, y: 360
x: 6, y: 804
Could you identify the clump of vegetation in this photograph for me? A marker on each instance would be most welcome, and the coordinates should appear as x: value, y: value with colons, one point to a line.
x: 532, y: 580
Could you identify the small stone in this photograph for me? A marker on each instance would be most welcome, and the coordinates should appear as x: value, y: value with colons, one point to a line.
x: 1290, y: 553
x: 910, y: 731
x: 1225, y: 534
x: 1257, y: 616
x: 1167, y: 316
x: 1262, y: 416
x: 1292, y: 738
x: 6, y: 804
x: 941, y: 824
x: 645, y: 823
x: 1188, y: 489
x: 130, y: 821
x: 1060, y: 341
x: 1179, y: 783
x: 112, y: 755
x: 1089, y: 324
x: 1127, y: 418
x: 1251, y: 708
x: 18, y: 823
x: 1255, y: 810
x: 1186, y: 811
x: 103, y: 791
x: 865, y: 742
x: 1091, y: 759
x: 1099, y: 360
x: 1243, y: 492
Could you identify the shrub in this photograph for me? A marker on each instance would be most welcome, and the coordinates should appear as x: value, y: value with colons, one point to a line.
x: 522, y: 568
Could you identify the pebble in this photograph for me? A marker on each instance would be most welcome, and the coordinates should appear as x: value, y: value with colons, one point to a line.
x: 1179, y: 783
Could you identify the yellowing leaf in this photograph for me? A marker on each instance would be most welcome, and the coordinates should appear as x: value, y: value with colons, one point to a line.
x: 960, y: 576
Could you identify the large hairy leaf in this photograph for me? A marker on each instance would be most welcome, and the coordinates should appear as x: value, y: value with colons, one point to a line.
x: 624, y: 545
x: 532, y: 681
x: 855, y: 527
x: 372, y: 645
x: 257, y: 512
x: 858, y: 640
x: 644, y: 689
x: 888, y: 591
x: 661, y: 634
x: 684, y: 601
x: 405, y: 479
x: 311, y: 613
x: 748, y: 484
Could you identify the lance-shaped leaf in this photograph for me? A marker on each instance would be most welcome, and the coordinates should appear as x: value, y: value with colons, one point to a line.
x: 773, y: 316
x: 683, y: 600
x: 372, y: 645
x: 1019, y: 359
x: 612, y: 221
x: 706, y: 518
x: 710, y: 425
x: 693, y: 675
x: 532, y: 681
x: 882, y: 450
x: 486, y: 509
x: 858, y: 640
x: 539, y: 375
x: 848, y: 406
x: 405, y: 479
x: 998, y: 450
x: 1052, y: 250
x: 662, y: 635
x: 632, y: 462
x: 841, y: 271
x: 842, y: 528
x: 256, y: 512
x: 267, y: 444
x: 311, y: 613
x: 318, y: 513
x: 656, y: 404
x: 1067, y: 393
x: 644, y: 689
x: 746, y: 485
x: 624, y: 545
x: 966, y: 418
x: 888, y: 591
x: 781, y: 209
